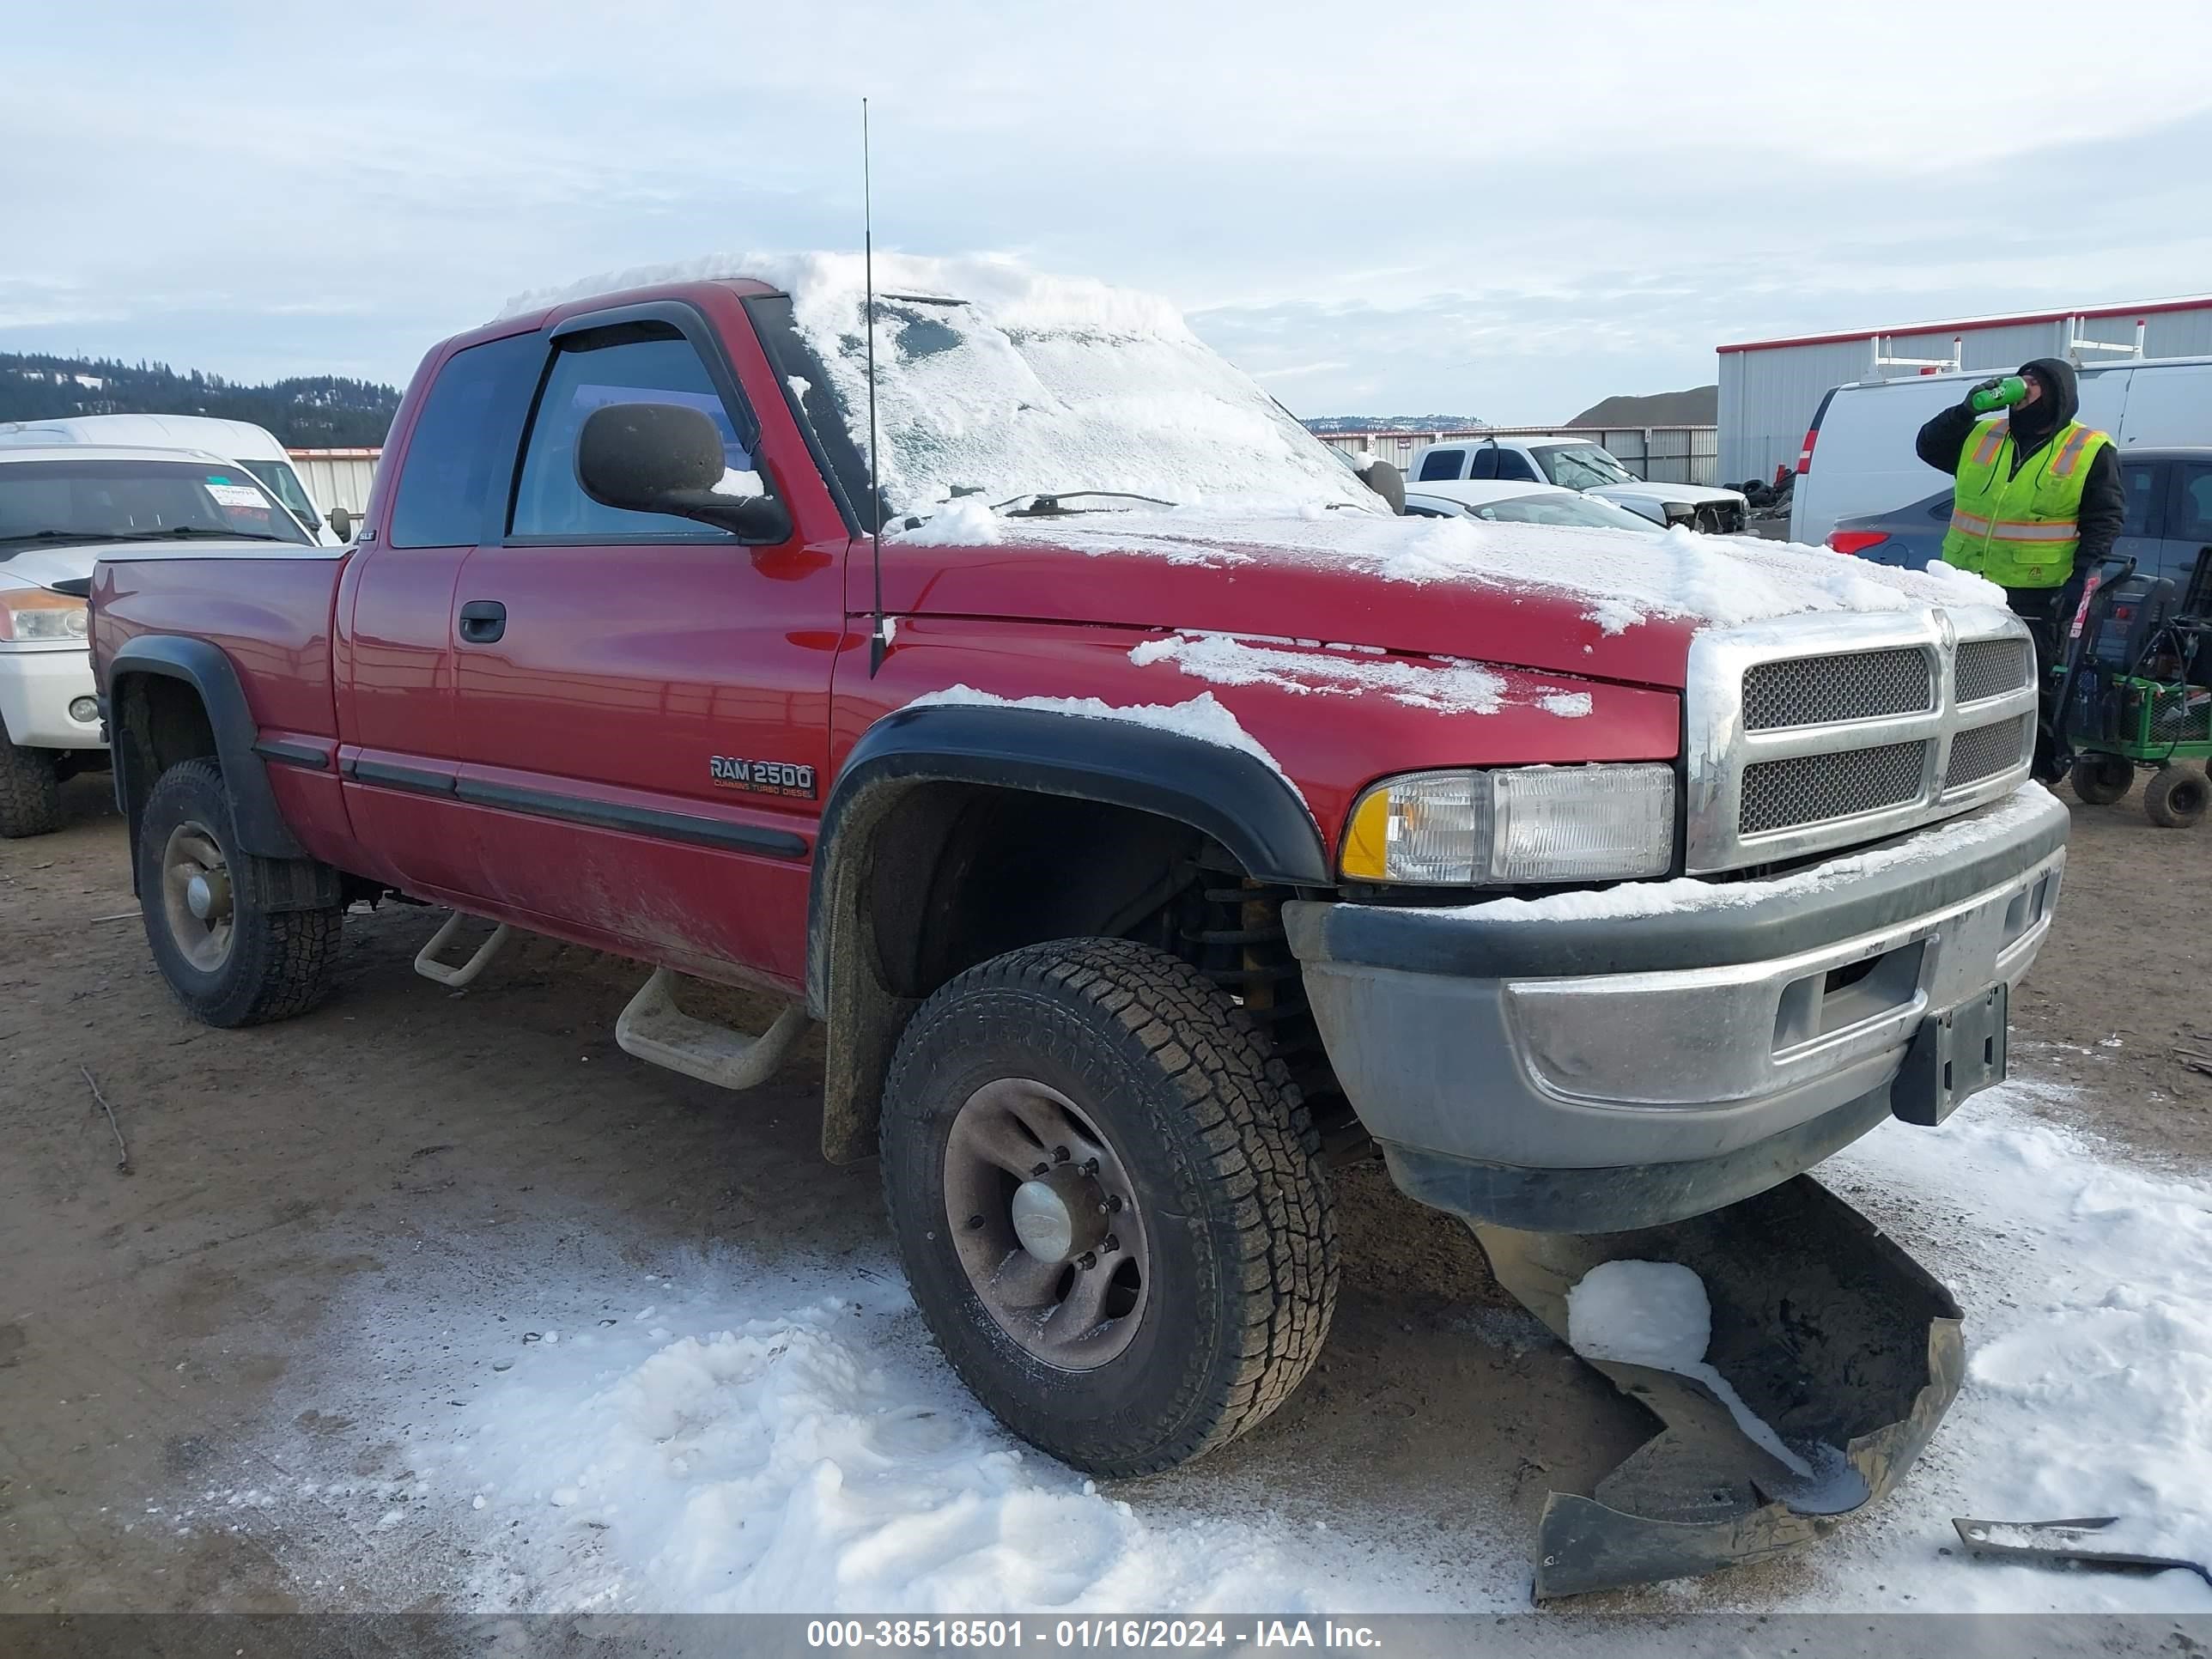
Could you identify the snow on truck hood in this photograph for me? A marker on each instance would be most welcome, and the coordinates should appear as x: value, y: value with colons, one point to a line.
x: 1602, y: 603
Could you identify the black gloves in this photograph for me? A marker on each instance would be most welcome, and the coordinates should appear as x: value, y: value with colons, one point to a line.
x: 1990, y: 385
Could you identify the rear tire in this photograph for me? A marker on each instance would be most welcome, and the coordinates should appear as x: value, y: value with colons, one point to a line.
x: 2175, y: 797
x: 2100, y: 779
x: 30, y: 791
x: 1208, y: 1299
x: 229, y: 961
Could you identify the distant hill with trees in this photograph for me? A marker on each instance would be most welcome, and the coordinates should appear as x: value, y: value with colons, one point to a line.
x: 315, y: 412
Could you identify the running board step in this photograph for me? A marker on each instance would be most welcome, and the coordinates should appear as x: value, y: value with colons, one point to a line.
x: 427, y: 963
x: 653, y: 1029
x: 1830, y: 1334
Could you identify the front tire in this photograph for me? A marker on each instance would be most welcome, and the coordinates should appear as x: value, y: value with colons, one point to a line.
x: 229, y: 961
x: 2175, y: 798
x: 30, y: 791
x: 1108, y: 1196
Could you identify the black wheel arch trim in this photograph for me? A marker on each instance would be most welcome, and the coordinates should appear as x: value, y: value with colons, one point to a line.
x: 1235, y: 798
x: 256, y: 819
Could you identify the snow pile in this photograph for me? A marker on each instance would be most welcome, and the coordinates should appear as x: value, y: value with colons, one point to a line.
x: 1959, y: 838
x: 2088, y: 1388
x: 1227, y: 659
x: 1202, y: 717
x: 725, y: 1438
x: 995, y: 377
x: 779, y: 1464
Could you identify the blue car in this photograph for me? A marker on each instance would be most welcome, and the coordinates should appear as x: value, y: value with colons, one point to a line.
x: 2169, y: 522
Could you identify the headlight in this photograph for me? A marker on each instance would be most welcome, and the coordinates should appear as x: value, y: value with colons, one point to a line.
x: 37, y: 613
x: 1531, y: 823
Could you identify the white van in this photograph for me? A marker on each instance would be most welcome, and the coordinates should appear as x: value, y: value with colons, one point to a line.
x: 1858, y: 457
x: 1859, y: 454
x: 254, y: 447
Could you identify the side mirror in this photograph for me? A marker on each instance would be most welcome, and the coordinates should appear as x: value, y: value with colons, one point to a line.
x: 1386, y: 480
x: 667, y: 457
x: 342, y: 524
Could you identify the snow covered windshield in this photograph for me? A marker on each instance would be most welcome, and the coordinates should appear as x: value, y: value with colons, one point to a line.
x: 1580, y: 466
x: 993, y: 380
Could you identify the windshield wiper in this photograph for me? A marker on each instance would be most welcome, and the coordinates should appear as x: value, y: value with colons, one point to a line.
x: 190, y: 531
x: 1047, y: 506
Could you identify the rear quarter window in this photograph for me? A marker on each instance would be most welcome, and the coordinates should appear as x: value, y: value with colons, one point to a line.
x: 1441, y: 463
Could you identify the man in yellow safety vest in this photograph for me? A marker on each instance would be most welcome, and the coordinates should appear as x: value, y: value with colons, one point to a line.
x: 2038, y: 500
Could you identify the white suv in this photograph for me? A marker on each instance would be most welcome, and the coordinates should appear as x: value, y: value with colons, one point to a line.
x: 61, y: 509
x: 1578, y: 463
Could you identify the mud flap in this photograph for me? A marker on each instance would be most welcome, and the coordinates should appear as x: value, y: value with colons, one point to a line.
x: 1826, y: 1329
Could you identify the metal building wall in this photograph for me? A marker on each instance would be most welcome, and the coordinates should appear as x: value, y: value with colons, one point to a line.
x: 1768, y: 394
x: 336, y: 477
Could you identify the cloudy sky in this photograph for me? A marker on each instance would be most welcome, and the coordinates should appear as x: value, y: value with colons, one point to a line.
x: 1508, y: 210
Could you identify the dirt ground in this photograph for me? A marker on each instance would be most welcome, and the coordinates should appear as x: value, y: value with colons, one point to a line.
x: 150, y: 1319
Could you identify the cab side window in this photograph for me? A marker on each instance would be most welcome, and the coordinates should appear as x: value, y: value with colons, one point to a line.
x: 649, y: 363
x: 1485, y: 463
x: 2139, y: 484
x: 1440, y: 463
x: 1511, y: 463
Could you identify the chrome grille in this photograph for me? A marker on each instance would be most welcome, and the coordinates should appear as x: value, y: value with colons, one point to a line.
x: 1862, y: 685
x: 1989, y: 668
x: 1986, y: 749
x: 1819, y: 788
x: 1805, y: 735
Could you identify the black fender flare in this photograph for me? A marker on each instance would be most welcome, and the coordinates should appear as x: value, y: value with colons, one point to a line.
x: 258, y: 823
x: 1239, y: 800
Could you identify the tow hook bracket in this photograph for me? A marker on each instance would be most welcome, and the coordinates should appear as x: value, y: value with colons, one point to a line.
x: 653, y: 1029
x: 1830, y: 1333
x: 427, y: 963
x: 1954, y: 1054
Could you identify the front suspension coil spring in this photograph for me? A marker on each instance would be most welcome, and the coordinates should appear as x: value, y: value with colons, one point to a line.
x: 1230, y: 929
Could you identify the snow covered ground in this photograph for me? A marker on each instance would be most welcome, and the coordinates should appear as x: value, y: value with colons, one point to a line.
x: 731, y: 1433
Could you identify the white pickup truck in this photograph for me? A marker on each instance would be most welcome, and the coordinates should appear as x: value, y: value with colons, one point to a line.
x: 62, y: 509
x: 1578, y: 463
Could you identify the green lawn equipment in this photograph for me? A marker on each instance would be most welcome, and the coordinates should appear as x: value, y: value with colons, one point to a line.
x: 2137, y: 691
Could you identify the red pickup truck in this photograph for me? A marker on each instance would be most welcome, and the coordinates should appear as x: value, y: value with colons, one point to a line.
x: 1150, y: 811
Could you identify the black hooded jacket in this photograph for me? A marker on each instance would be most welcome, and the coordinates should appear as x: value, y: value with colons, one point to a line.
x: 2104, y: 502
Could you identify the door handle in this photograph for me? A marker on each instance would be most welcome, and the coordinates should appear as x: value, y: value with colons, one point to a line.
x: 482, y: 621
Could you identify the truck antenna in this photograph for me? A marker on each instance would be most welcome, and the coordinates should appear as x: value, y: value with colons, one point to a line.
x: 879, y: 640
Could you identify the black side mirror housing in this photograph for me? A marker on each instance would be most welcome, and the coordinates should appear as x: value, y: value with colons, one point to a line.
x: 667, y: 457
x: 342, y: 524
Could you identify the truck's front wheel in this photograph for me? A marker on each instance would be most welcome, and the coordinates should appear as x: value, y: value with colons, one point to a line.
x: 1107, y: 1194
x: 227, y: 959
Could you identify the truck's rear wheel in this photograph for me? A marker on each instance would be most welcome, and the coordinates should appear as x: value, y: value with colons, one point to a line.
x: 1107, y: 1194
x: 30, y: 791
x: 2175, y: 797
x: 228, y: 960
